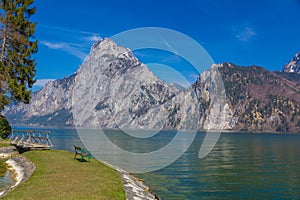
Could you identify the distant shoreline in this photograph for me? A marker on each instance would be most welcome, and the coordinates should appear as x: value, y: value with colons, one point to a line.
x: 115, y: 129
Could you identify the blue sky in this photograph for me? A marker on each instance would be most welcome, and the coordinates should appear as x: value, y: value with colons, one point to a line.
x: 260, y: 32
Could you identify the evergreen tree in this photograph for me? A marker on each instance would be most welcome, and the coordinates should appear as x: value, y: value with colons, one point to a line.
x: 17, y: 45
x: 5, y: 128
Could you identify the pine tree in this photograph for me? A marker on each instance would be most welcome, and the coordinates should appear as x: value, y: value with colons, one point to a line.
x: 17, y: 46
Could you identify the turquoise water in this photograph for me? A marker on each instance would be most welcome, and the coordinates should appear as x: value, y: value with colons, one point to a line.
x: 6, y: 180
x: 240, y: 166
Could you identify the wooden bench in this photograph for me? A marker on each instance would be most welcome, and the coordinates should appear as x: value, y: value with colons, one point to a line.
x: 83, y: 153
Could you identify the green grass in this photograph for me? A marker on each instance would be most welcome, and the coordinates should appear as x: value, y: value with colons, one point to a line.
x: 3, y: 143
x: 3, y: 168
x: 59, y: 176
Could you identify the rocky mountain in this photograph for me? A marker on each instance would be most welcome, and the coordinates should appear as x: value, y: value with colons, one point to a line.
x: 293, y: 77
x: 262, y: 100
x: 51, y: 106
x: 294, y: 65
x: 113, y: 89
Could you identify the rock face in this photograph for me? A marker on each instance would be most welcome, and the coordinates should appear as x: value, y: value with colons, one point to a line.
x: 51, y: 106
x: 121, y: 91
x: 113, y: 89
x: 294, y: 65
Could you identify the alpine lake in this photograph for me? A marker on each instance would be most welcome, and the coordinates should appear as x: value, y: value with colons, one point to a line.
x: 240, y: 165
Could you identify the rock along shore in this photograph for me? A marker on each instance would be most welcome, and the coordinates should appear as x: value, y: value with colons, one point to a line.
x: 22, y: 169
x: 8, y: 152
x: 134, y: 188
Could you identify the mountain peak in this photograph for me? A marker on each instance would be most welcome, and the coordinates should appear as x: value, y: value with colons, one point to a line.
x: 108, y: 46
x: 109, y: 57
x: 294, y: 65
x: 104, y: 42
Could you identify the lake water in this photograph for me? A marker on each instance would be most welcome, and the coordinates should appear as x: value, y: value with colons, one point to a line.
x: 240, y: 166
x: 6, y: 180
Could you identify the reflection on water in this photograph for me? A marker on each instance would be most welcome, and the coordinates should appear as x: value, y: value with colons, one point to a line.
x: 65, y: 139
x: 241, y: 166
x: 137, y: 155
x: 6, y: 180
x: 140, y: 145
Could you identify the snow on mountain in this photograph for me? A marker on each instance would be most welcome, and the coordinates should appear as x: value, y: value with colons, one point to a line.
x: 294, y: 65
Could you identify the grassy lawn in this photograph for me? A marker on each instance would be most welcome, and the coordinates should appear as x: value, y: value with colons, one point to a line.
x: 3, y: 143
x: 59, y: 176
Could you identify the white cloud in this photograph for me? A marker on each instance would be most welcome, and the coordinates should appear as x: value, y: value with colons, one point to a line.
x: 170, y: 47
x: 54, y: 45
x: 93, y: 38
x: 67, y: 31
x: 42, y: 82
x: 76, y: 52
x: 69, y: 48
x: 246, y: 34
x: 73, y: 42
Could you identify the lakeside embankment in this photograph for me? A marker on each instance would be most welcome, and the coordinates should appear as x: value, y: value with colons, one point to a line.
x: 59, y: 176
x: 134, y: 188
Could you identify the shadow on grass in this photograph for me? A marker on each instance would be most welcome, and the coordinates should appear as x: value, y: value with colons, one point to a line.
x: 81, y: 160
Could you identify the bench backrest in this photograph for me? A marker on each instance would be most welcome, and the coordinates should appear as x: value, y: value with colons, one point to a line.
x: 79, y: 150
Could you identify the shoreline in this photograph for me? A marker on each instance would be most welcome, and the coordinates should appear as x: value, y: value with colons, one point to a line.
x: 8, y: 152
x: 22, y: 169
x: 115, y: 129
x: 133, y: 187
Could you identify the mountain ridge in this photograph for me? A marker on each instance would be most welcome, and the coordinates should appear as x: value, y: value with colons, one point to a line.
x: 113, y: 89
x: 262, y: 100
